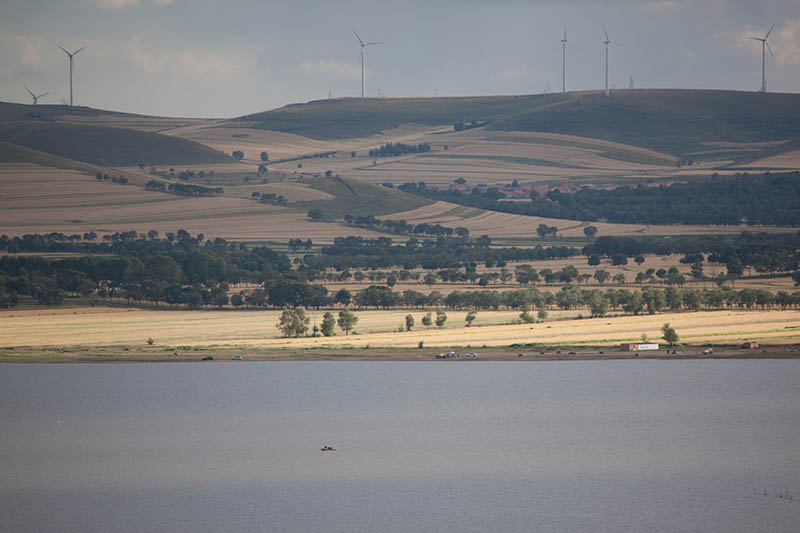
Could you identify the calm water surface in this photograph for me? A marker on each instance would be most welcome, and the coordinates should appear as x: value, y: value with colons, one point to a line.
x: 445, y: 446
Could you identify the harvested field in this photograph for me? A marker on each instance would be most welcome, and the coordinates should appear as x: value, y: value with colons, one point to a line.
x: 510, y: 226
x: 43, y: 200
x: 787, y: 161
x: 98, y: 326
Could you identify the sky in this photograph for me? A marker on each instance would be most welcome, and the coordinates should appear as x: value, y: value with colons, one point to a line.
x: 206, y: 58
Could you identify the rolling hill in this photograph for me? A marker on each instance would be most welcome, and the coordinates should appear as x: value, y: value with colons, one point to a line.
x: 100, y: 137
x: 667, y: 120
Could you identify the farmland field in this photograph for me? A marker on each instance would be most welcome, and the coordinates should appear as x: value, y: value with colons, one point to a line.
x: 102, y: 327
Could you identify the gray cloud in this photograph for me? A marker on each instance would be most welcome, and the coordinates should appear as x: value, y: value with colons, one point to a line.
x: 214, y: 58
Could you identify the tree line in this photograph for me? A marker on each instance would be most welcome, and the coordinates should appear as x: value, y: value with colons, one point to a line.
x: 442, y: 252
x: 765, y: 252
x: 403, y: 227
x: 184, y: 189
x: 771, y: 199
x: 397, y: 149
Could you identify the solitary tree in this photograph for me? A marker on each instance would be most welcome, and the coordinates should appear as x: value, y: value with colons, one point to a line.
x: 470, y: 318
x: 669, y: 334
x: 264, y: 156
x: 343, y: 296
x: 526, y: 316
x: 315, y: 214
x: 427, y: 320
x: 328, y: 324
x: 601, y: 275
x: 409, y: 322
x: 441, y: 318
x: 347, y: 320
x: 294, y: 322
x: 590, y: 231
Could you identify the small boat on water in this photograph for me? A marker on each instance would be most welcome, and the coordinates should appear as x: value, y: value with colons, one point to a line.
x: 328, y: 449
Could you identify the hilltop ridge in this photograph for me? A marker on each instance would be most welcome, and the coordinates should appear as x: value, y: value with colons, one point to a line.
x: 674, y: 121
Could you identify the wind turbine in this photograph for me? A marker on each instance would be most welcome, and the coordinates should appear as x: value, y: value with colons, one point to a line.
x: 606, y: 42
x: 564, y: 43
x: 362, y: 59
x: 764, y: 44
x: 35, y: 98
x: 71, y: 68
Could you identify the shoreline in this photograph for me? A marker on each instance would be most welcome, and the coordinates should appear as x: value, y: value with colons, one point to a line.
x: 140, y: 354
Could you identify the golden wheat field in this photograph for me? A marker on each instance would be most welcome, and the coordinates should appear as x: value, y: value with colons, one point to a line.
x: 99, y: 326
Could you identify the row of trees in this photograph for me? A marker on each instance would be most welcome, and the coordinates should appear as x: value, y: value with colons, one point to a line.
x: 443, y: 252
x: 403, y: 227
x: 295, y: 323
x: 397, y: 149
x: 772, y: 199
x: 765, y: 252
x: 122, y: 180
x: 269, y: 198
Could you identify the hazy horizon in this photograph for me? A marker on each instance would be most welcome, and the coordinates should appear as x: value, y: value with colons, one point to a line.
x: 208, y: 59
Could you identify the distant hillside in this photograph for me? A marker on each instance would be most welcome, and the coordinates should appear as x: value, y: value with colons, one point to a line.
x: 354, y: 197
x: 12, y: 153
x: 106, y: 145
x: 344, y: 118
x: 672, y: 121
x: 666, y: 120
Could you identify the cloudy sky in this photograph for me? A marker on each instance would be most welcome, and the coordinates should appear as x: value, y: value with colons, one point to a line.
x: 207, y: 58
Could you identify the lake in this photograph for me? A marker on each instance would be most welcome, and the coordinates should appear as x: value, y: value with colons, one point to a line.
x: 450, y: 446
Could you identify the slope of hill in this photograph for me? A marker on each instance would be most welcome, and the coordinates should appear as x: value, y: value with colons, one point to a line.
x: 672, y: 121
x: 354, y: 197
x: 667, y: 120
x: 102, y: 137
x: 344, y: 118
x: 12, y: 153
x: 105, y: 145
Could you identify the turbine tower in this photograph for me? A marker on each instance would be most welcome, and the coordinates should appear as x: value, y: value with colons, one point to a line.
x: 564, y: 43
x: 71, y: 68
x: 764, y: 44
x: 35, y: 98
x: 606, y: 42
x: 362, y: 59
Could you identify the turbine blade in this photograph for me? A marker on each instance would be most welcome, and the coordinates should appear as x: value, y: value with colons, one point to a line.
x: 41, y: 95
x: 359, y: 38
x: 770, y: 31
x: 606, y: 32
x: 30, y: 92
x: 756, y: 38
x: 78, y: 50
x: 374, y: 42
x: 64, y: 49
x: 770, y: 49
